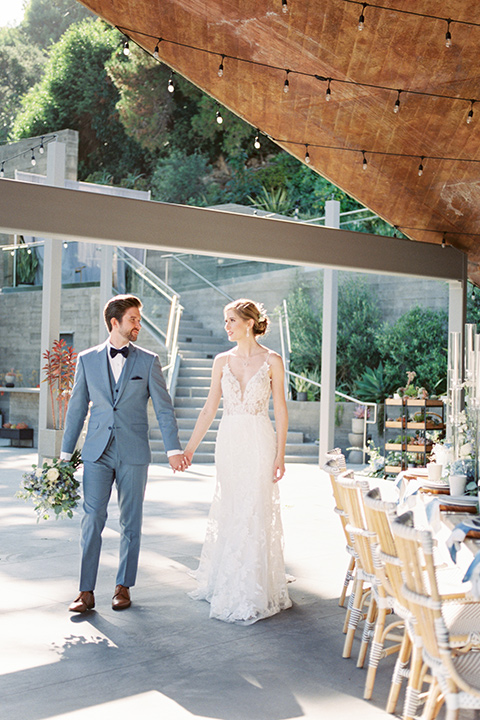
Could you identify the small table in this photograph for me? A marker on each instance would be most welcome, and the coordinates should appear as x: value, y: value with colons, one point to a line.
x: 17, y: 434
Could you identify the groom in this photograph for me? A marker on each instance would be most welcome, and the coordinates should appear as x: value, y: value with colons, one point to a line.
x: 114, y: 381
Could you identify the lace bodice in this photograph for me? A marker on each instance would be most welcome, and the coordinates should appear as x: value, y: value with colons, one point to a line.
x: 256, y: 396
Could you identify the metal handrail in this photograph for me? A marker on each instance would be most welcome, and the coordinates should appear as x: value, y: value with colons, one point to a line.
x: 169, y: 337
x: 199, y: 275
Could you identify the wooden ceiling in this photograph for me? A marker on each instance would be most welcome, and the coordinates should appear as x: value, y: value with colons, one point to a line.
x: 402, y: 47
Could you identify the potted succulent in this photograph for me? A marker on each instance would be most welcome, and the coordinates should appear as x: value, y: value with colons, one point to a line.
x: 301, y: 385
x: 358, y: 420
x: 11, y: 377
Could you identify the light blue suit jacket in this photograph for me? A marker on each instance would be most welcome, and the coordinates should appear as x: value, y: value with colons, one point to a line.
x: 123, y: 413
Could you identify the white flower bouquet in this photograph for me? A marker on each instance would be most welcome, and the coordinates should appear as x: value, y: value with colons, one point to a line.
x: 53, y: 487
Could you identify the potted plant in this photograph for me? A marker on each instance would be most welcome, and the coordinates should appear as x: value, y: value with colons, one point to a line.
x: 301, y: 385
x: 360, y: 413
x: 11, y: 377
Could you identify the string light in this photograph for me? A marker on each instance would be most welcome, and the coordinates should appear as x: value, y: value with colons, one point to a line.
x: 444, y: 244
x: 321, y: 78
x: 41, y: 149
x: 328, y: 92
x: 307, y: 154
x: 157, y: 49
x: 256, y: 142
x: 420, y: 167
x: 126, y: 47
x: 284, y: 6
x: 364, y: 165
x: 361, y: 19
x: 171, y: 86
x: 220, y: 67
x: 470, y: 113
x: 448, y: 35
x: 23, y: 153
x: 219, y: 117
x: 29, y: 251
x: 65, y: 244
x: 396, y: 107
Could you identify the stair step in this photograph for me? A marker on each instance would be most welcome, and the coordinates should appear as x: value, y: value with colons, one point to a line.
x: 185, y: 391
x: 195, y: 363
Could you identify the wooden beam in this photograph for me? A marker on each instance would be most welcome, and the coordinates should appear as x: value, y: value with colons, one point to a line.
x: 73, y: 215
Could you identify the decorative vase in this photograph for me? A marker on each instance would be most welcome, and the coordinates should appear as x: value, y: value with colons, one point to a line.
x: 301, y: 396
x: 357, y: 426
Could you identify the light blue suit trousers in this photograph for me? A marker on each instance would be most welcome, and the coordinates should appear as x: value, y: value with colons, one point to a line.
x: 116, y: 449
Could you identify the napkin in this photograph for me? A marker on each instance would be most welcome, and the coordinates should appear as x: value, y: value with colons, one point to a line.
x: 458, y: 535
x: 473, y: 574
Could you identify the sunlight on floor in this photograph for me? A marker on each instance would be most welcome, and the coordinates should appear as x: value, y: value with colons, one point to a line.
x: 145, y: 705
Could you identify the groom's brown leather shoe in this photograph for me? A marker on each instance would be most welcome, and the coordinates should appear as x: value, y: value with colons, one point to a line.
x: 121, y: 598
x: 85, y: 601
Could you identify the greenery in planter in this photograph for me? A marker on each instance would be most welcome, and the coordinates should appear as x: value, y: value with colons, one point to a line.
x: 371, y: 386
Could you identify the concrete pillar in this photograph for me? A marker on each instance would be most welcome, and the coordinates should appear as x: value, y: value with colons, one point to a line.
x: 106, y: 274
x: 329, y: 344
x: 48, y: 439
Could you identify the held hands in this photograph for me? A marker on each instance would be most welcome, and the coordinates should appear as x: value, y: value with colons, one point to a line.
x: 179, y: 463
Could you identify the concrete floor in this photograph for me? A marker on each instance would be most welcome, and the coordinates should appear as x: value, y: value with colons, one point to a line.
x: 164, y: 657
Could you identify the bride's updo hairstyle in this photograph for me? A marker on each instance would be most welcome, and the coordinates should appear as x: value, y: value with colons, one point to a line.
x: 249, y: 310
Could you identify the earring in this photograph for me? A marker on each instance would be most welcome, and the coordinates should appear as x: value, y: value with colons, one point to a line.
x: 248, y: 332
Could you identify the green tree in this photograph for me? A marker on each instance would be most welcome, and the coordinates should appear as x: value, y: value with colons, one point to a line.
x: 181, y: 178
x: 84, y: 101
x: 19, y: 70
x: 305, y: 322
x: 45, y: 21
x: 417, y: 341
x: 357, y: 324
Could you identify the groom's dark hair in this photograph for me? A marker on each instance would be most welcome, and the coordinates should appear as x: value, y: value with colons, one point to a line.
x: 117, y: 306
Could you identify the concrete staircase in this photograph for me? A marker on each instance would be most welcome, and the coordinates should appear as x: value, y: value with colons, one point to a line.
x: 198, y: 347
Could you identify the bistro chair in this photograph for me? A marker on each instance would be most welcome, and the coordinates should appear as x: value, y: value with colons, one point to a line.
x: 449, y: 630
x: 379, y: 516
x: 352, y: 492
x: 334, y: 465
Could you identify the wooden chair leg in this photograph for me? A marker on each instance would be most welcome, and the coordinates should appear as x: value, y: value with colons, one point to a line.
x: 400, y: 671
x: 368, y: 628
x: 348, y: 579
x: 431, y: 708
x: 414, y: 684
x: 354, y: 619
x: 376, y: 650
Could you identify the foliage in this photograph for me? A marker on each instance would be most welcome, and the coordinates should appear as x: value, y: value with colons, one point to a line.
x: 371, y: 386
x: 45, y: 21
x: 59, y: 374
x: 417, y: 340
x: 19, y: 70
x: 357, y: 323
x: 275, y: 200
x: 84, y: 101
x: 473, y: 304
x: 180, y: 178
x: 26, y: 264
x: 305, y: 321
x: 52, y: 487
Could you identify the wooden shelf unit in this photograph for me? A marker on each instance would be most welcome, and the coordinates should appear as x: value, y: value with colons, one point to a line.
x: 403, y: 409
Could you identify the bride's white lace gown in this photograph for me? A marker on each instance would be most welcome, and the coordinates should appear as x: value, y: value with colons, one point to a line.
x: 242, y: 571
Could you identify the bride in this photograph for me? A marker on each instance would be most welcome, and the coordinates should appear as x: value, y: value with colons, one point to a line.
x: 242, y: 572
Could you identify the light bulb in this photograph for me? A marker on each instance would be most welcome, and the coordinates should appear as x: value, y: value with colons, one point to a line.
x: 126, y: 48
x: 256, y: 143
x: 364, y: 165
x: 41, y: 149
x: 420, y: 170
x: 470, y: 113
x: 448, y: 35
x: 219, y: 117
x: 171, y: 86
x: 361, y: 19
x: 2, y: 170
x: 284, y: 6
x: 155, y: 52
x: 32, y: 159
x: 328, y: 93
x: 29, y: 251
x: 286, y: 86
x: 220, y: 67
x: 65, y: 244
x: 307, y: 155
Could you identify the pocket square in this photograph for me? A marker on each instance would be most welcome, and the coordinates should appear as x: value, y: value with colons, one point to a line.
x: 137, y: 377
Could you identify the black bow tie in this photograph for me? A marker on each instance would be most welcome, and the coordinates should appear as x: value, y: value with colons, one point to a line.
x: 123, y: 351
